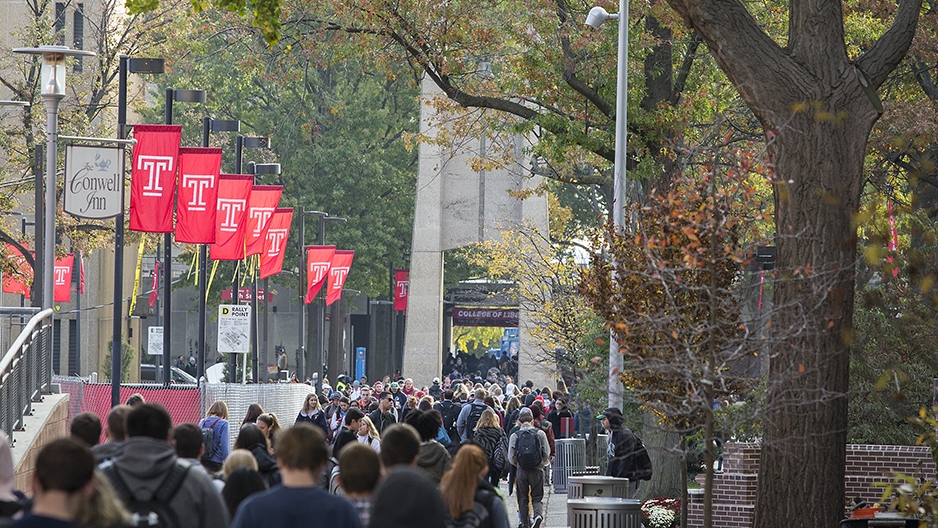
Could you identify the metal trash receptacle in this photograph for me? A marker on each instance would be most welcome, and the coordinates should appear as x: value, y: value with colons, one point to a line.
x: 604, y: 512
x: 570, y: 460
x: 586, y: 486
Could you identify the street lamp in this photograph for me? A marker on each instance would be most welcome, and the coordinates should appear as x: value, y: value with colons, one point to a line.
x: 52, y: 92
x: 260, y: 169
x: 208, y: 125
x: 596, y: 17
x: 241, y: 143
x: 125, y: 65
x: 181, y: 96
x: 320, y: 311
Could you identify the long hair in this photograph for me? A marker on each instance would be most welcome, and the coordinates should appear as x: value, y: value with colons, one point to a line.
x: 372, y: 430
x: 488, y: 419
x: 273, y: 427
x: 310, y: 404
x: 513, y: 403
x: 458, y: 486
x: 254, y: 410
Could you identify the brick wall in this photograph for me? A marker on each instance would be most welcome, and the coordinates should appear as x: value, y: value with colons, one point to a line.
x: 734, y: 490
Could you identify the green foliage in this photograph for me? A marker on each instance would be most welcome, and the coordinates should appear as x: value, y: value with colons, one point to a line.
x: 127, y: 358
x: 337, y: 130
x: 892, y: 364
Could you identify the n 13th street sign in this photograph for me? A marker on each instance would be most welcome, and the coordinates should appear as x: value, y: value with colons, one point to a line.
x: 94, y: 187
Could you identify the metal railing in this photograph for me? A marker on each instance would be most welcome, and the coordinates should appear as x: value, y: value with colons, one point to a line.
x: 26, y: 371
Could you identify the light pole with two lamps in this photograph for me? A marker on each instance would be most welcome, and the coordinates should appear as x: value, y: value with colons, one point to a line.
x: 596, y: 17
x: 260, y: 355
x: 209, y: 125
x: 241, y: 143
x: 125, y: 65
x: 179, y: 96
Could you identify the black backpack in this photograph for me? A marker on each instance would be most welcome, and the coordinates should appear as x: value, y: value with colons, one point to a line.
x: 476, y: 517
x: 152, y: 511
x: 475, y: 412
x: 450, y: 412
x: 528, y: 449
x: 208, y: 439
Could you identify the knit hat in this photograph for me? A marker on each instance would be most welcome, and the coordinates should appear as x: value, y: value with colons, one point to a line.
x: 524, y: 415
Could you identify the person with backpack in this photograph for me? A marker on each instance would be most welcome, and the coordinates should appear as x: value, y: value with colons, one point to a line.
x: 489, y: 436
x: 469, y: 416
x: 471, y: 502
x: 627, y: 456
x: 449, y: 410
x: 529, y: 453
x: 157, y: 488
x: 215, y: 436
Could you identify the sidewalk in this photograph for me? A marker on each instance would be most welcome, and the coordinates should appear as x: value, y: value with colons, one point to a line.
x: 555, y: 507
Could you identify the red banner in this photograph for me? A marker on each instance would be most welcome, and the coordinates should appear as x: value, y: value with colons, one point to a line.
x: 341, y: 265
x: 234, y: 193
x: 261, y: 208
x: 318, y: 263
x: 81, y: 273
x: 154, y: 284
x: 19, y: 281
x: 199, y: 170
x: 275, y: 243
x: 401, y: 288
x: 153, y: 177
x: 62, y: 278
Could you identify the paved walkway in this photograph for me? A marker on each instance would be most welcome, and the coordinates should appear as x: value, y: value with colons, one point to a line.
x: 555, y: 507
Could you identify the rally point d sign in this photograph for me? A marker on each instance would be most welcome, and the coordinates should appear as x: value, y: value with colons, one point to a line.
x: 93, y: 181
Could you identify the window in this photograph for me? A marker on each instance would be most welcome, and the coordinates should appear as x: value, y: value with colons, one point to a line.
x: 60, y: 23
x: 79, y: 33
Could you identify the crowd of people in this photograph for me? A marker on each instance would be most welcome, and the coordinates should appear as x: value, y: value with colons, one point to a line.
x: 387, y: 454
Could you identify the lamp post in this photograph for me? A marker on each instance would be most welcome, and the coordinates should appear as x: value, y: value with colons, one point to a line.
x: 319, y: 315
x: 241, y: 143
x: 596, y: 17
x: 125, y: 65
x: 52, y: 93
x: 181, y: 96
x: 208, y: 125
x: 259, y: 169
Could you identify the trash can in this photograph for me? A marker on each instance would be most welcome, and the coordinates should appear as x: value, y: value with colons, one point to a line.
x: 584, y: 487
x: 605, y: 512
x: 570, y: 460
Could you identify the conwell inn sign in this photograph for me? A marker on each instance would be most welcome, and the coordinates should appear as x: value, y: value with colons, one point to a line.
x: 93, y: 185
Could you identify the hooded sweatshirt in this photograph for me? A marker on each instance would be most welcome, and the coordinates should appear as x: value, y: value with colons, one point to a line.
x: 434, y: 458
x: 143, y: 465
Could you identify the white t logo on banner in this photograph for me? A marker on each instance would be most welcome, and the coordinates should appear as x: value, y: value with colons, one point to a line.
x: 274, y: 239
x: 402, y: 288
x: 198, y: 183
x: 154, y: 165
x: 262, y: 214
x: 60, y: 274
x: 318, y: 270
x: 340, y: 273
x: 231, y: 208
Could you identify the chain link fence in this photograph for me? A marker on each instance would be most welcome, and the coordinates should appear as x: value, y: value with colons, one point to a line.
x: 188, y: 403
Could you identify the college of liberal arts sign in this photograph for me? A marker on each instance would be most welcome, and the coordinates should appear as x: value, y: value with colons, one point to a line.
x: 485, y: 317
x: 93, y: 184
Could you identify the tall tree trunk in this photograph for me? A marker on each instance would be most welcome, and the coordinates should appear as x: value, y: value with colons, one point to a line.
x: 667, y: 459
x: 805, y: 430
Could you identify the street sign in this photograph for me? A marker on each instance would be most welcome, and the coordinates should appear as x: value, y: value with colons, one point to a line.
x: 94, y: 187
x: 234, y: 328
x: 155, y: 341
